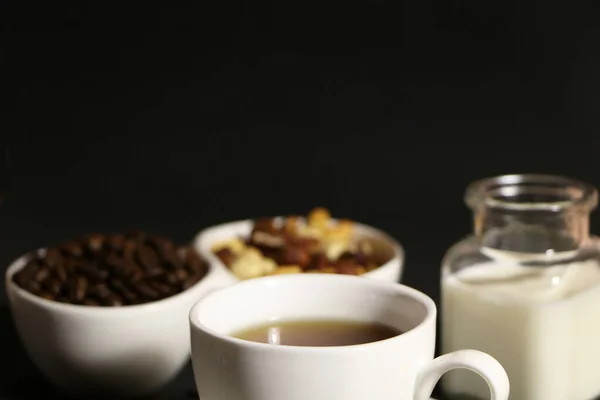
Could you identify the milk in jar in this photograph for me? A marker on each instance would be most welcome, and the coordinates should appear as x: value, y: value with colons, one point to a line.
x: 525, y: 288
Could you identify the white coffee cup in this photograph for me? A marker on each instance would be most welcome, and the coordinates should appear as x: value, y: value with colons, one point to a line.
x: 400, y: 368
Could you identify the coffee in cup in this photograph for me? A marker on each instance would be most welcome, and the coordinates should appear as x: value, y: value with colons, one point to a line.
x: 318, y: 332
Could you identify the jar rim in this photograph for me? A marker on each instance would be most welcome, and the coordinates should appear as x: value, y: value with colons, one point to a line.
x: 509, y: 192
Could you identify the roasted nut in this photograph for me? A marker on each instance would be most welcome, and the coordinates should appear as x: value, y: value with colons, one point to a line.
x: 251, y: 264
x: 366, y: 247
x: 334, y: 249
x: 319, y: 218
x: 349, y: 268
x: 226, y: 255
x: 306, y: 231
x: 295, y: 255
x: 309, y: 244
x: 266, y: 225
x: 236, y: 245
x: 287, y: 269
x: 371, y: 267
x: 291, y: 224
x: 265, y: 239
x: 319, y: 261
x: 340, y: 231
x: 327, y: 270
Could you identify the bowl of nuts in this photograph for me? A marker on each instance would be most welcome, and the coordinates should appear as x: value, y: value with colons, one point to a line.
x: 107, y: 315
x: 288, y: 245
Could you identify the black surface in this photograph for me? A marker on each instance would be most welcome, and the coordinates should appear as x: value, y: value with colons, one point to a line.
x: 175, y: 118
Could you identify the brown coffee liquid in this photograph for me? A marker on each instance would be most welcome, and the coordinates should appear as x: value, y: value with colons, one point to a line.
x: 317, y: 333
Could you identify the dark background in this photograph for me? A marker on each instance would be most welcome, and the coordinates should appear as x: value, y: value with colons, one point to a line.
x: 178, y: 117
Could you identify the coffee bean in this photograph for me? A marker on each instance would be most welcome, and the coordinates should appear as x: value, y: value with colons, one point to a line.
x: 53, y: 258
x: 94, y: 272
x: 173, y: 260
x: 101, y: 291
x: 120, y: 288
x: 148, y: 258
x: 72, y: 248
x: 70, y: 265
x: 78, y: 289
x: 26, y: 274
x: 163, y: 289
x: 61, y: 273
x: 190, y: 282
x: 113, y: 260
x: 62, y: 299
x: 91, y: 302
x: 147, y: 291
x: 136, y: 274
x: 129, y: 248
x: 171, y: 278
x: 33, y: 287
x: 116, y: 242
x: 113, y: 301
x: 54, y: 286
x: 160, y: 244
x: 155, y: 272
x: 181, y: 274
x: 94, y: 242
x: 138, y: 237
x: 194, y: 261
x: 114, y: 270
x: 46, y: 295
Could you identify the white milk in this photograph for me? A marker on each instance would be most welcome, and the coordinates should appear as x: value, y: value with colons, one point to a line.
x: 542, y: 324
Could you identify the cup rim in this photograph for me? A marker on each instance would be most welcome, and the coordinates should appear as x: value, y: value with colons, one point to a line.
x: 20, y: 263
x: 426, y: 301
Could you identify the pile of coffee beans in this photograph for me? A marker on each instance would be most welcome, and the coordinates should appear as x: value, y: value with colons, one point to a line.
x: 112, y: 270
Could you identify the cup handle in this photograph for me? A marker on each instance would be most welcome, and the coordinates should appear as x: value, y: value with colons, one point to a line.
x: 482, y: 363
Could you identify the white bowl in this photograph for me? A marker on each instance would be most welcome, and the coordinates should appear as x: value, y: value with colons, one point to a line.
x: 107, y: 351
x: 382, y: 243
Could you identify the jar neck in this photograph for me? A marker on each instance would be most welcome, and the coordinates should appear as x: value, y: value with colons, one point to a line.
x: 531, y: 213
x: 540, y: 231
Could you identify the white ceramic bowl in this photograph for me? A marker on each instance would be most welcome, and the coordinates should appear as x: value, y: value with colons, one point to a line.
x: 382, y: 243
x: 105, y: 351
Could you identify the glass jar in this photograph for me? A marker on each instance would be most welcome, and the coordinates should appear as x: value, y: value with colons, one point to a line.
x: 525, y: 288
